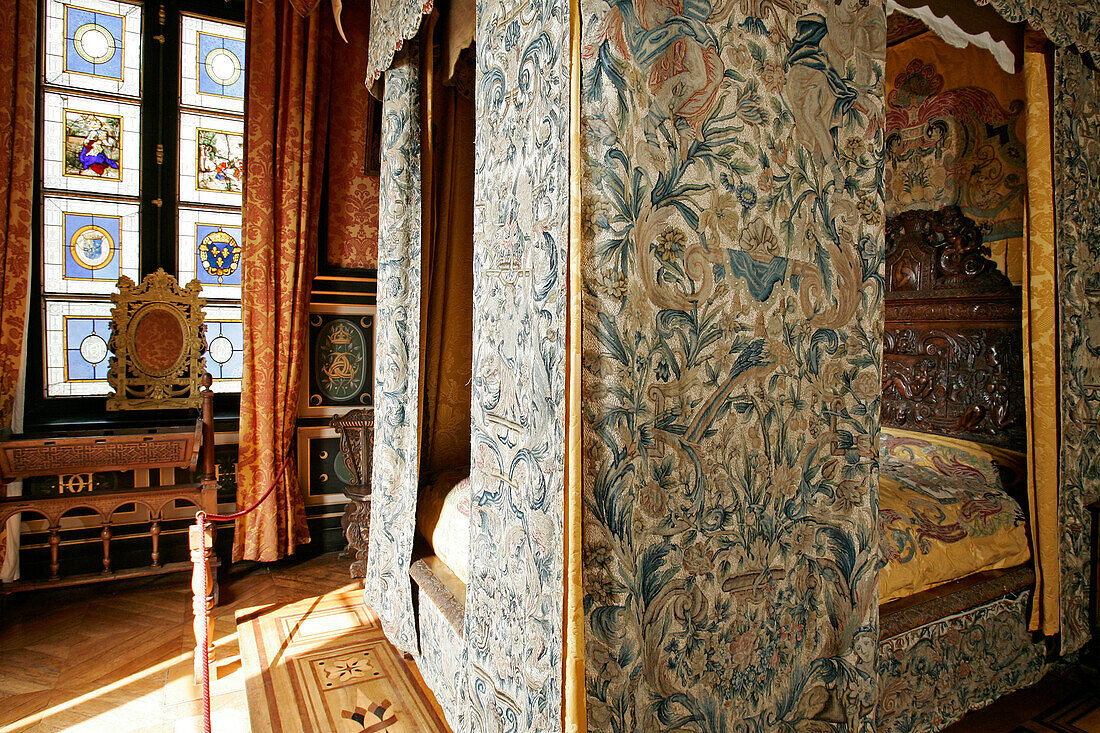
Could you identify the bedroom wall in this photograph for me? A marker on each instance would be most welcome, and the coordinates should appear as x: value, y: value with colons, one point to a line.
x: 955, y: 136
x: 732, y: 315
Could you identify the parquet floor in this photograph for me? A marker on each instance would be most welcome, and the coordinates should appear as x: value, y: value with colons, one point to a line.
x: 118, y: 656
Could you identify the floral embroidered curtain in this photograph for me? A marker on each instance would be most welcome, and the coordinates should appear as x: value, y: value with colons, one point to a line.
x: 392, y: 22
x: 387, y: 586
x: 1065, y: 22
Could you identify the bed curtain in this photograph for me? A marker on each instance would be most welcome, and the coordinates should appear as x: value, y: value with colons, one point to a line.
x: 387, y: 586
x: 1040, y: 341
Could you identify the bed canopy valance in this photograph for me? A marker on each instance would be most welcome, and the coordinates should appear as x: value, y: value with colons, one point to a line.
x: 678, y: 289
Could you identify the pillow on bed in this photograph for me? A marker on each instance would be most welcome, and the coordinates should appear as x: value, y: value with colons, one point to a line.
x: 443, y: 518
x: 949, y: 457
x: 936, y: 528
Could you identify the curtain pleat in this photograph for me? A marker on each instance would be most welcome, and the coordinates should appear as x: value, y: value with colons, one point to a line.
x: 447, y: 333
x: 288, y: 98
x: 17, y: 75
x: 1040, y: 345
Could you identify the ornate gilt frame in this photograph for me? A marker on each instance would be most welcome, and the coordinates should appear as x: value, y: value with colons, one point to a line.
x: 174, y: 382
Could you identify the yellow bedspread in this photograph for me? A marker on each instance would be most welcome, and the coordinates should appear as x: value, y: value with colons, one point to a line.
x: 443, y: 518
x: 943, y: 514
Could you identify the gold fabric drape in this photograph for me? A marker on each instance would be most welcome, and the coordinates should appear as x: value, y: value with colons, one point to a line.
x: 574, y: 692
x: 288, y: 99
x: 17, y: 72
x: 448, y: 276
x: 1040, y: 342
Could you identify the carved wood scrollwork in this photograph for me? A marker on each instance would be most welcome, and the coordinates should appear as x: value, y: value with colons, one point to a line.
x: 157, y: 340
x: 933, y: 250
x: 953, y: 343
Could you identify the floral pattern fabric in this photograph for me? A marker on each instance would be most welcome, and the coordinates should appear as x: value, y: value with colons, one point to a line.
x: 442, y: 662
x: 733, y: 257
x: 392, y: 22
x: 513, y: 616
x: 934, y: 529
x: 288, y: 98
x: 1076, y: 180
x: 1065, y: 22
x: 933, y: 675
x: 388, y: 587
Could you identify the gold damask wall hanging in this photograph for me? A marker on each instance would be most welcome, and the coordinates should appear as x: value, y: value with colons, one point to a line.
x: 158, y: 338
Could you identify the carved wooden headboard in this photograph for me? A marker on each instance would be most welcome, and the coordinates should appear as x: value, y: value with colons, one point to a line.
x: 952, y: 361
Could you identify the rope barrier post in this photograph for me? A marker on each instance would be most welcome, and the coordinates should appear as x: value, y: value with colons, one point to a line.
x: 200, y: 539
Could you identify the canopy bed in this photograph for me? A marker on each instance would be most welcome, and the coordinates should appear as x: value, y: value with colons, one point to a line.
x: 673, y: 503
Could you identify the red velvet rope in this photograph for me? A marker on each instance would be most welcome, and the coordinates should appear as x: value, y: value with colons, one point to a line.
x: 235, y: 515
x: 201, y: 518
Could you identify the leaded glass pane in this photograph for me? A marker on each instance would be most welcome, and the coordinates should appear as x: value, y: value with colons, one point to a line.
x: 210, y: 250
x: 94, y: 45
x: 225, y: 347
x: 88, y: 244
x: 212, y: 59
x: 211, y: 160
x: 77, y: 357
x: 91, y: 145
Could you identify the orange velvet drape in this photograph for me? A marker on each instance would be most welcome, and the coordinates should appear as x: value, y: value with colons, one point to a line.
x: 286, y: 125
x: 17, y: 76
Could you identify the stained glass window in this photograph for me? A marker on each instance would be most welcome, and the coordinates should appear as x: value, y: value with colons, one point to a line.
x: 88, y: 244
x: 211, y: 159
x: 212, y: 64
x: 94, y: 45
x: 104, y: 213
x: 77, y: 356
x: 211, y: 184
x: 225, y: 347
x: 91, y: 145
x: 210, y: 250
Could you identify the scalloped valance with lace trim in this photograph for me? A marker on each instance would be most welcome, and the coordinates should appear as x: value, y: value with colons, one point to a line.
x: 392, y: 22
x: 1064, y: 22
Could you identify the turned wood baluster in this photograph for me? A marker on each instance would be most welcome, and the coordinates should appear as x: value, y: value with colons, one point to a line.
x: 154, y: 533
x: 201, y: 541
x: 105, y: 535
x: 55, y: 543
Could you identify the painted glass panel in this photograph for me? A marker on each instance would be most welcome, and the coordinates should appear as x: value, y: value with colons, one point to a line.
x: 225, y: 347
x: 88, y: 244
x: 211, y: 159
x: 94, y: 45
x: 212, y: 64
x: 210, y: 250
x: 91, y: 145
x: 77, y: 356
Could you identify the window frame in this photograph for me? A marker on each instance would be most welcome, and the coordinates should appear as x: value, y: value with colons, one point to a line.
x: 160, y: 112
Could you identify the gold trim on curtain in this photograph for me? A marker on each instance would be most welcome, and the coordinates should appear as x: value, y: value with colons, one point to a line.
x: 574, y: 707
x: 286, y: 125
x: 1040, y: 344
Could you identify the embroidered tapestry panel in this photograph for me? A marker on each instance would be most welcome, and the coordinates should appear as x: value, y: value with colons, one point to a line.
x: 954, y: 136
x: 985, y: 653
x: 387, y: 586
x: 513, y: 623
x: 1076, y: 180
x: 732, y: 338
